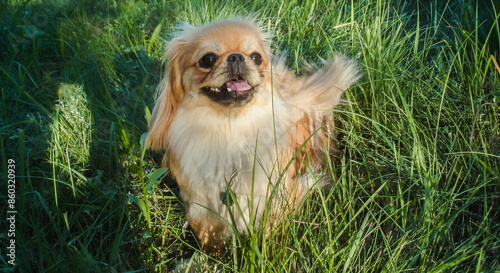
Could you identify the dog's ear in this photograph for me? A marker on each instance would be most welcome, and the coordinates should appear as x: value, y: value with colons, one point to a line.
x: 170, y: 93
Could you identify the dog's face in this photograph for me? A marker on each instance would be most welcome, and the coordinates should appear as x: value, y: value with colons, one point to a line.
x: 225, y: 62
x: 222, y: 65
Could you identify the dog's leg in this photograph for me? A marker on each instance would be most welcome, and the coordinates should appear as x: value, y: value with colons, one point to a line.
x: 210, y: 229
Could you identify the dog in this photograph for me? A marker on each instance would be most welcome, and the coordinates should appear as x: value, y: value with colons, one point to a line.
x: 243, y: 137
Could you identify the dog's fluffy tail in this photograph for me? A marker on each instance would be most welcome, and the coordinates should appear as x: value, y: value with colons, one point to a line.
x: 320, y: 89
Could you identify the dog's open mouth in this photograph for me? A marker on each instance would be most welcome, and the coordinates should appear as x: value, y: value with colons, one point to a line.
x: 235, y: 91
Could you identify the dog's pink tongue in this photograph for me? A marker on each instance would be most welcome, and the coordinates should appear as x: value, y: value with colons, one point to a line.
x: 240, y: 85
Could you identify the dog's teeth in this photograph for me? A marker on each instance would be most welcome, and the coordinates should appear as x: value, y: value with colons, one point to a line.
x: 217, y: 90
x: 229, y: 89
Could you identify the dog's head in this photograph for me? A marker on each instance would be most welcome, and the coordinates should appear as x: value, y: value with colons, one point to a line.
x: 222, y: 65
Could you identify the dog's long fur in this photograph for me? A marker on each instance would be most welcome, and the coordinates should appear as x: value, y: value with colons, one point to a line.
x: 211, y: 147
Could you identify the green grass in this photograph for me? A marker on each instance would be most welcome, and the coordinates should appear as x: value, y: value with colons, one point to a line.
x: 417, y: 185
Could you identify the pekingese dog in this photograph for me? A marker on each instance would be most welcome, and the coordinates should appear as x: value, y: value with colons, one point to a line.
x: 244, y: 137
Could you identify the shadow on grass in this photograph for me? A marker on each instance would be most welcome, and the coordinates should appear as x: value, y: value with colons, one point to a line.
x: 76, y: 80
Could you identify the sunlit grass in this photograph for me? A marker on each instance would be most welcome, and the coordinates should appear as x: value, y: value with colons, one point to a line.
x: 417, y: 180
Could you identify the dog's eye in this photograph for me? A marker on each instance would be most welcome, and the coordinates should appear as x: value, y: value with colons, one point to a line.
x: 256, y: 58
x: 208, y: 60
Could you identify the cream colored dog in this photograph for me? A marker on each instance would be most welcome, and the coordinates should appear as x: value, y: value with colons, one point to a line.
x: 242, y: 135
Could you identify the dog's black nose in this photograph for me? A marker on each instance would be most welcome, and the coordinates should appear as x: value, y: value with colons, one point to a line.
x: 235, y: 58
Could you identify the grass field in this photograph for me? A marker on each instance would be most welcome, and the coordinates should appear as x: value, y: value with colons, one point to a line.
x: 417, y: 185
